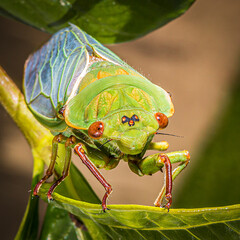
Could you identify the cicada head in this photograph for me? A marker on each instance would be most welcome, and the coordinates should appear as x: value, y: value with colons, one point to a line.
x: 126, y: 109
x: 131, y: 130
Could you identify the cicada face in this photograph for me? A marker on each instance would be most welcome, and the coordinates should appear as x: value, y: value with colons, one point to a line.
x: 133, y: 141
x: 131, y: 129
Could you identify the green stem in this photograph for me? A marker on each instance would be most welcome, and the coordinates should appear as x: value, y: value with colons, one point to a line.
x: 13, y: 101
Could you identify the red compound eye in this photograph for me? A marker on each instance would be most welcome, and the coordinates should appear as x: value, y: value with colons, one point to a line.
x: 162, y: 120
x: 96, y: 130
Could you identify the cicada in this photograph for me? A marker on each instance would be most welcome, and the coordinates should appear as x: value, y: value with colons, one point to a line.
x: 95, y: 103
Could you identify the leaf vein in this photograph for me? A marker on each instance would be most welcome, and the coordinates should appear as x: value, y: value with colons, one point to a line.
x: 234, y: 229
x: 192, y: 234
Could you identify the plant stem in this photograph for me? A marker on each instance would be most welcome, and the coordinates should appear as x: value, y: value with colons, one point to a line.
x: 13, y: 101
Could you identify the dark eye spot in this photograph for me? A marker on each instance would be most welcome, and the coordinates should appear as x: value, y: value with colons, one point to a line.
x: 135, y: 118
x: 125, y: 119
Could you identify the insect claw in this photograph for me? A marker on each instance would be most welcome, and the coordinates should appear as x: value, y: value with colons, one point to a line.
x: 50, y: 200
x: 49, y: 197
x: 105, y: 208
x: 166, y: 206
x: 34, y: 196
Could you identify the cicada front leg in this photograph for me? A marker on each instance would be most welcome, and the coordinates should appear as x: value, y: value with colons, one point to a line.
x: 56, y: 140
x: 182, y: 157
x: 69, y: 142
x: 153, y: 163
x: 83, y: 156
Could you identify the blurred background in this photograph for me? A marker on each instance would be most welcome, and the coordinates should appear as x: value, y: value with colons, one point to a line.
x: 195, y: 58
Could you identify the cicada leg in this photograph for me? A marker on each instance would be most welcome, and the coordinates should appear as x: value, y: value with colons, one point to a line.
x: 81, y: 153
x: 168, y: 180
x: 175, y: 157
x: 68, y: 147
x: 56, y: 140
x: 153, y: 163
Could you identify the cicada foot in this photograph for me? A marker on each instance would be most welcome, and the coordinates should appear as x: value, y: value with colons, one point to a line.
x: 37, y: 187
x: 105, y: 208
x: 49, y: 197
x: 52, y: 188
x: 169, y: 201
x: 104, y: 200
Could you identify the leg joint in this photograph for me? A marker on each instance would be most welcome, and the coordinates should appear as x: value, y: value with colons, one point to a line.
x: 70, y: 141
x: 59, y: 138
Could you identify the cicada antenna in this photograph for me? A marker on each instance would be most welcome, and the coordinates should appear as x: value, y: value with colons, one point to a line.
x: 168, y: 134
x: 109, y: 140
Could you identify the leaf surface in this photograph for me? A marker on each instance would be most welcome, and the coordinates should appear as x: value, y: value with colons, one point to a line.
x: 144, y: 222
x: 59, y: 225
x: 109, y: 21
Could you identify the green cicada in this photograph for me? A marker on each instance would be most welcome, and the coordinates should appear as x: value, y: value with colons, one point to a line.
x: 94, y: 102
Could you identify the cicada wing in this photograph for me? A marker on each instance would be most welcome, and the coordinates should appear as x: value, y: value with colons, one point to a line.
x: 97, y: 49
x: 52, y: 72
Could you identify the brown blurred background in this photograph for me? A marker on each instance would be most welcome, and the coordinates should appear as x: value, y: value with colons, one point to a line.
x: 194, y: 57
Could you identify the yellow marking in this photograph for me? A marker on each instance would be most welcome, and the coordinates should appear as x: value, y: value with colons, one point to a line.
x: 102, y: 74
x: 121, y: 71
x: 171, y: 111
x: 65, y: 129
x: 72, y: 126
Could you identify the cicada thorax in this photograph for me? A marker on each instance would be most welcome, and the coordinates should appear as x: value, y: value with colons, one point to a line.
x: 102, y: 69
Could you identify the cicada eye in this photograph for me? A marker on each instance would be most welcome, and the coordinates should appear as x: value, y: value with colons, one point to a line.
x: 96, y: 130
x: 162, y: 120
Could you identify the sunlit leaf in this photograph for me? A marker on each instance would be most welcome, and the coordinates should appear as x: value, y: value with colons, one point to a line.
x: 143, y: 222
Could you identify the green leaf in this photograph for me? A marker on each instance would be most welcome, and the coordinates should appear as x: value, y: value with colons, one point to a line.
x: 29, y: 225
x: 214, y: 179
x: 58, y: 225
x: 109, y: 21
x: 143, y: 222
